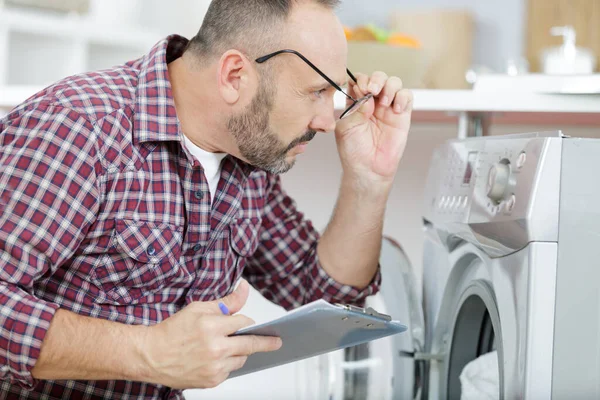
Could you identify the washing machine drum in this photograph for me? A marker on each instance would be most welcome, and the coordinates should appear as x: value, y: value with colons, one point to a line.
x: 468, y: 337
x: 473, y: 338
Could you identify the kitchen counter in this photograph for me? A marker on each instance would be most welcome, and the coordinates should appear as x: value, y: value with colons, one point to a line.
x: 432, y: 100
x: 474, y: 101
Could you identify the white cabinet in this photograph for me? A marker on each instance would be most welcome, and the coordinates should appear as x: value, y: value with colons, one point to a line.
x: 38, y: 48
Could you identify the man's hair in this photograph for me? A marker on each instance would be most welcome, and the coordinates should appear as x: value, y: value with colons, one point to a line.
x: 251, y: 26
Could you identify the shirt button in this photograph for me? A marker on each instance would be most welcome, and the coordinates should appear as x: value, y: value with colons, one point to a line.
x: 151, y: 251
x: 199, y: 194
x: 197, y: 248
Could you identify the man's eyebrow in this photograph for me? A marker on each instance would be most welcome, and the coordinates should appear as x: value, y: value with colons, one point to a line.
x: 326, y: 85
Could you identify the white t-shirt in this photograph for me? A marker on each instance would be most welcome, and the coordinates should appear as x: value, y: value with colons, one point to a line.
x: 211, y: 162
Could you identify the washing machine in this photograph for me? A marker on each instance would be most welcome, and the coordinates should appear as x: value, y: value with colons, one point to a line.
x: 510, y: 269
x: 511, y: 256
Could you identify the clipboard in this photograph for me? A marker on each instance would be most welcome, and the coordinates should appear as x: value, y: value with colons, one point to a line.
x: 317, y: 328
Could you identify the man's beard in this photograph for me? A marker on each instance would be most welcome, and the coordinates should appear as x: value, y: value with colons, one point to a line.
x: 257, y: 142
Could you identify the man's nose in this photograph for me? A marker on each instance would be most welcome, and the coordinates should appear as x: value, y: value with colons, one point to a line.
x: 325, y: 121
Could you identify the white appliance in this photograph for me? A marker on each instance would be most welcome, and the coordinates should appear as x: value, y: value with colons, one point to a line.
x: 510, y: 265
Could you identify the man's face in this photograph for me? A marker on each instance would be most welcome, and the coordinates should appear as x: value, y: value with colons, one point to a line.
x: 257, y: 141
x: 293, y: 102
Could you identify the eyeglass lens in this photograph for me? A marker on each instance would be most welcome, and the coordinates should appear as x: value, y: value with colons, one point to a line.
x: 356, y: 106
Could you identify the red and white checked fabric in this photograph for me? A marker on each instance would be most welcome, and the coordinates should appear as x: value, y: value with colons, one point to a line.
x: 105, y: 213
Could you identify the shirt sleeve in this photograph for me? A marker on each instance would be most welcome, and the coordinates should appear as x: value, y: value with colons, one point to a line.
x: 48, y: 199
x: 285, y: 268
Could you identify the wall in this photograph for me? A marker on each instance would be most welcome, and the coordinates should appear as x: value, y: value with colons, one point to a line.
x: 319, y: 169
x: 185, y: 18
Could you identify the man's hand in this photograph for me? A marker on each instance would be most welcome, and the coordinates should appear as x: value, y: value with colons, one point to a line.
x: 372, y: 140
x: 192, y: 349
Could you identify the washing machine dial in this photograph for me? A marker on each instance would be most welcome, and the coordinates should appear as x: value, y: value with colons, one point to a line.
x: 498, y: 180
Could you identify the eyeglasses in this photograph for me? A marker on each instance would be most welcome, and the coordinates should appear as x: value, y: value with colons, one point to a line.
x: 356, y: 103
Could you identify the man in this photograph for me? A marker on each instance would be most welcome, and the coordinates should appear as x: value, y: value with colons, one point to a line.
x: 133, y: 200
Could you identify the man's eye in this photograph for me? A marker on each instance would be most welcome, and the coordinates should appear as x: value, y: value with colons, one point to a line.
x: 319, y: 93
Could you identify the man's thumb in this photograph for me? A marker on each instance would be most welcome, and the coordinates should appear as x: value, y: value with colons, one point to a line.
x: 236, y: 300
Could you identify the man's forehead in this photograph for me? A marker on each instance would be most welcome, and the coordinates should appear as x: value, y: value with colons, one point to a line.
x: 317, y: 34
x: 332, y: 65
x: 329, y: 58
x: 316, y: 27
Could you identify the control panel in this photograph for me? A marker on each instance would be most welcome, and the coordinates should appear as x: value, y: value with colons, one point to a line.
x: 495, y: 186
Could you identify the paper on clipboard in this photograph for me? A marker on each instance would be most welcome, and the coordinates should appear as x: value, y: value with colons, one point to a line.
x: 317, y: 328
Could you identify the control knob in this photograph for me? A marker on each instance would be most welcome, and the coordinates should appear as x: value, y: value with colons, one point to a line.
x: 498, y: 181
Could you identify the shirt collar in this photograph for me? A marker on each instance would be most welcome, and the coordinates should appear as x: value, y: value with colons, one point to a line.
x: 155, y: 114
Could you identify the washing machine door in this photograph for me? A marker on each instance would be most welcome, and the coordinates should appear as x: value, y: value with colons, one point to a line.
x: 385, y: 368
x: 466, y: 349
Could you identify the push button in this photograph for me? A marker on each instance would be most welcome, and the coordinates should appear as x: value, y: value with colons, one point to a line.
x: 510, y: 204
x: 197, y: 248
x: 199, y: 194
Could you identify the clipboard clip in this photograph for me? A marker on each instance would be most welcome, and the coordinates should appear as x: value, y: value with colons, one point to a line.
x: 369, y: 311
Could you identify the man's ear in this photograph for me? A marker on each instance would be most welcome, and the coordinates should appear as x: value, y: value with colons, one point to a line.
x: 233, y: 76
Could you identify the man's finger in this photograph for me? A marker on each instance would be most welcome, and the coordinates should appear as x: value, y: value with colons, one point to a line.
x: 388, y: 94
x: 230, y: 304
x: 234, y: 363
x: 362, y: 83
x: 250, y: 344
x: 403, y: 101
x: 235, y: 301
x: 231, y: 324
x: 377, y: 82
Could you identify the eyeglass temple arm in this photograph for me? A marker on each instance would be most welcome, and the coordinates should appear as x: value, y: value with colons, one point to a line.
x: 262, y: 59
x: 351, y: 75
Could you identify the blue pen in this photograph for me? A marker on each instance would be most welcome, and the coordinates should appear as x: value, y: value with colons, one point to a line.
x: 224, y: 308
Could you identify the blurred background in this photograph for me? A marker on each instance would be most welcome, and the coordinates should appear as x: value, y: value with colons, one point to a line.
x: 430, y: 43
x: 436, y: 47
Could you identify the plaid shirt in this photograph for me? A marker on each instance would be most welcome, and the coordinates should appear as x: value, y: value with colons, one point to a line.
x: 104, y: 212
